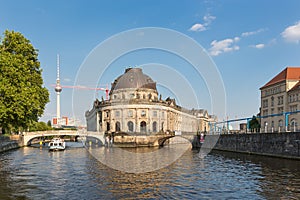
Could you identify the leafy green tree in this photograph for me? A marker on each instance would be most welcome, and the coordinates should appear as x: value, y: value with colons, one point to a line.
x: 49, y: 123
x: 22, y: 95
x: 254, y: 124
x: 39, y: 126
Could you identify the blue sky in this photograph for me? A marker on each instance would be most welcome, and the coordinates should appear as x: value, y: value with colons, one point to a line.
x: 249, y: 41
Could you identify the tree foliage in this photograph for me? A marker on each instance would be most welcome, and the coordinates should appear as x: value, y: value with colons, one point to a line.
x: 49, y: 123
x: 39, y: 126
x: 22, y: 95
x: 254, y: 124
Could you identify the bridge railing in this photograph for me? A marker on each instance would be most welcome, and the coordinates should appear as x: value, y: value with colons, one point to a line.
x: 61, y: 132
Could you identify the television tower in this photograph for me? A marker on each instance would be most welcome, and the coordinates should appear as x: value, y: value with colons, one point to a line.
x: 58, y: 90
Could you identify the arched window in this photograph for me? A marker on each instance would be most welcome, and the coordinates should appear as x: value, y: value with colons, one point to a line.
x: 154, y: 127
x: 294, y: 124
x: 118, y: 126
x: 280, y: 123
x: 130, y: 126
x: 143, y: 126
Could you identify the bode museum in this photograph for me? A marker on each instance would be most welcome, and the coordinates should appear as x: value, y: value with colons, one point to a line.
x: 134, y: 105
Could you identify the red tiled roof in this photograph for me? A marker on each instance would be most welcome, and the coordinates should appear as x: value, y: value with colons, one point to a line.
x: 289, y: 73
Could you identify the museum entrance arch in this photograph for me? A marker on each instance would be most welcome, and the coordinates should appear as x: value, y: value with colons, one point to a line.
x: 143, y: 127
x: 130, y: 126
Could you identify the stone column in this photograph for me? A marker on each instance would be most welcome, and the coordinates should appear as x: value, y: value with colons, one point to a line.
x: 122, y: 128
x: 149, y: 124
x: 136, y: 125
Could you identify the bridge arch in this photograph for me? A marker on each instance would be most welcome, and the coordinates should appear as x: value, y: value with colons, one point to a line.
x: 194, y: 140
x: 27, y: 137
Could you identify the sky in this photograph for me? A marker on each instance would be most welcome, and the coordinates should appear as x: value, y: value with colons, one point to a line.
x: 248, y: 42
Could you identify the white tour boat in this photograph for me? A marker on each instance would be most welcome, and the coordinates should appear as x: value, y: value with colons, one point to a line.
x: 57, y: 144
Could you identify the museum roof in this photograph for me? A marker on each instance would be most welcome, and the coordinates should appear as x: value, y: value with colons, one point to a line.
x: 133, y: 78
x: 289, y: 73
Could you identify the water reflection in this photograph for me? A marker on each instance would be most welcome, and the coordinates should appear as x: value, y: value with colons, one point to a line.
x: 140, y: 160
x: 34, y: 173
x: 278, y: 178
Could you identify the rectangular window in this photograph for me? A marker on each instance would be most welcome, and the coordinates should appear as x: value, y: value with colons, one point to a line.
x: 265, y: 103
x: 117, y: 113
x: 280, y: 100
x: 293, y: 108
x: 265, y: 112
x: 280, y: 110
x: 272, y: 101
x: 154, y: 113
x: 143, y: 113
x: 130, y: 113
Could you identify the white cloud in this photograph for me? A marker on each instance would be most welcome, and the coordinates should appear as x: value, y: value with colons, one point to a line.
x: 292, y: 33
x: 258, y: 46
x: 202, y: 27
x: 246, y: 34
x: 67, y: 80
x: 236, y: 39
x: 198, y: 27
x: 224, y: 46
x: 208, y: 19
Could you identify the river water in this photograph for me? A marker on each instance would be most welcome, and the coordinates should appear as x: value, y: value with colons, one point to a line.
x: 35, y: 173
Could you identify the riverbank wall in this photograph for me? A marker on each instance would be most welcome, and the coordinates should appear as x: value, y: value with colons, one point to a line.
x: 284, y: 145
x: 9, y: 143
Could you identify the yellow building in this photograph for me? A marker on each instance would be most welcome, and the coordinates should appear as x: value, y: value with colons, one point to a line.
x: 279, y: 101
x: 135, y: 106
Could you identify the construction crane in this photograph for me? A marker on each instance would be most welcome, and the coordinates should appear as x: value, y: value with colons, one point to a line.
x: 85, y: 88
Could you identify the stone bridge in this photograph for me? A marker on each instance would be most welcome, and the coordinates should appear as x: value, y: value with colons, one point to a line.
x: 97, y: 137
x: 191, y: 137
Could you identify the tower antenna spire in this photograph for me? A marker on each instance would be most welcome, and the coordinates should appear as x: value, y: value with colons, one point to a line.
x: 58, y: 90
x: 57, y: 64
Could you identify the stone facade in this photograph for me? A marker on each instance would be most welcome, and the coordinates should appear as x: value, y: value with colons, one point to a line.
x: 285, y: 145
x: 279, y: 101
x: 293, y: 99
x: 135, y: 106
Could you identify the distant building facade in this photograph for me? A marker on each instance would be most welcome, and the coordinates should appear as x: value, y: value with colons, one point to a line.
x: 135, y: 106
x: 279, y: 97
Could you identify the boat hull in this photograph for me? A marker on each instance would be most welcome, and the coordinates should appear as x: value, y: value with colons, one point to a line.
x: 56, y: 148
x: 57, y: 144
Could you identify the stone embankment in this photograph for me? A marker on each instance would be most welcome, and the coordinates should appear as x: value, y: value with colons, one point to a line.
x: 8, y: 143
x: 285, y: 145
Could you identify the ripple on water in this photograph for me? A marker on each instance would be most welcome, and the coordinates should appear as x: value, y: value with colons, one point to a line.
x: 33, y: 173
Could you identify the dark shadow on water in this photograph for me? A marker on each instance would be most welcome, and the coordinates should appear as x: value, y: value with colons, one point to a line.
x: 278, y: 178
x: 267, y: 161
